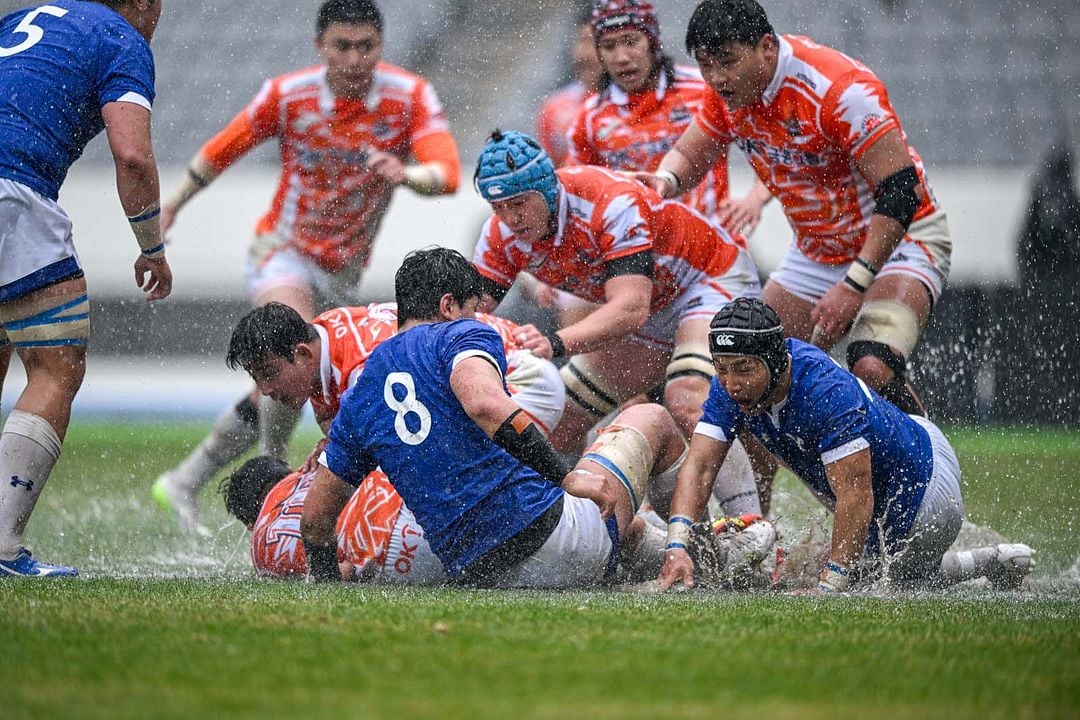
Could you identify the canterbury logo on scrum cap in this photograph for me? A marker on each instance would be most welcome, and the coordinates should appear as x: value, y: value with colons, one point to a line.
x: 494, y: 190
x: 731, y: 341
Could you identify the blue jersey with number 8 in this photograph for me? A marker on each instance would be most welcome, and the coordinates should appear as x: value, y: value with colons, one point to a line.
x: 60, y: 64
x: 467, y: 493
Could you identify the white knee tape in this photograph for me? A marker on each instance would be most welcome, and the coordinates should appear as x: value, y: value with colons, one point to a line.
x: 889, y: 322
x: 35, y: 428
x: 625, y: 453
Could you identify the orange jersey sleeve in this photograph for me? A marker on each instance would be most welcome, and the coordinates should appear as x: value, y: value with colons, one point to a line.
x: 440, y: 148
x: 256, y: 123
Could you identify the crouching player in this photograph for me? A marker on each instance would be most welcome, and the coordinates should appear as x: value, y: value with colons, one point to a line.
x: 892, y: 480
x: 378, y: 539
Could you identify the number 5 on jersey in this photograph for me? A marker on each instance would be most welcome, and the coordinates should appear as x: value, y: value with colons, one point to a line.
x: 32, y: 32
x: 405, y: 406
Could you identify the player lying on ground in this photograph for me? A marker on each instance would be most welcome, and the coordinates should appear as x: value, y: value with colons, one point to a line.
x: 379, y: 540
x: 892, y: 480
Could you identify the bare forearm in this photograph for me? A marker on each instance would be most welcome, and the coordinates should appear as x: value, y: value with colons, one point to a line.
x: 609, y: 323
x: 850, y: 526
x: 137, y: 184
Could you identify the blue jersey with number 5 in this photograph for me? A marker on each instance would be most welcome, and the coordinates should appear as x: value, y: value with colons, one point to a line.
x: 468, y: 494
x: 60, y: 64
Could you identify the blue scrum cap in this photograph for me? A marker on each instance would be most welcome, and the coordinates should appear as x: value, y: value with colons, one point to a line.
x: 513, y: 163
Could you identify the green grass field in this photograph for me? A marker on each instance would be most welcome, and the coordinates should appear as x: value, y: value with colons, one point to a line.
x: 167, y: 626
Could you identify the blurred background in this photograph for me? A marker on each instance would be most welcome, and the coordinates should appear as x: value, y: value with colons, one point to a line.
x: 988, y: 91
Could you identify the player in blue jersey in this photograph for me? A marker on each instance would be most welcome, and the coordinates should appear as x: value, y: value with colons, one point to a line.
x: 498, y: 505
x: 892, y: 480
x: 68, y: 70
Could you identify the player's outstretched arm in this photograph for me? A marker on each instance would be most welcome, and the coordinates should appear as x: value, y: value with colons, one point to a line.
x: 127, y: 127
x: 685, y: 165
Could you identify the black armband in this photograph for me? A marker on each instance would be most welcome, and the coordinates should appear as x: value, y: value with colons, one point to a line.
x: 322, y: 562
x: 640, y: 263
x: 558, y: 347
x: 487, y: 286
x: 519, y: 436
x: 897, y: 196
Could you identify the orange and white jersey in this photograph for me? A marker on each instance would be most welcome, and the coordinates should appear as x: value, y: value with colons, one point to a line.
x: 602, y: 217
x: 363, y: 529
x: 276, y: 546
x: 634, y: 132
x: 556, y: 118
x: 365, y: 526
x: 328, y: 204
x: 350, y: 334
x: 819, y: 114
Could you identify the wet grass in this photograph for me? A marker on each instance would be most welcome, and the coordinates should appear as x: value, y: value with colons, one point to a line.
x: 166, y: 626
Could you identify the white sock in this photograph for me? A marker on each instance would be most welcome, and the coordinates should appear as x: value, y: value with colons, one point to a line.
x: 276, y: 424
x: 958, y: 566
x: 29, y: 448
x: 233, y: 434
x: 735, y: 487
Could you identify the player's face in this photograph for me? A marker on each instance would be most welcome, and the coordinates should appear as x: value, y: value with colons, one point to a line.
x: 740, y: 73
x: 526, y: 215
x: 744, y: 377
x: 628, y: 59
x: 351, y: 53
x: 289, y: 383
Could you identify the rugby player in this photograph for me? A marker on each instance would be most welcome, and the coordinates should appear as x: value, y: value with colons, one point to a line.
x: 891, y: 480
x: 350, y: 130
x: 68, y: 70
x: 871, y: 247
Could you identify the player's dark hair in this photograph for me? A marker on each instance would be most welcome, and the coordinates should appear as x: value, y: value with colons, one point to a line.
x: 428, y: 274
x: 716, y: 24
x: 272, y: 330
x: 349, y: 12
x: 247, y: 487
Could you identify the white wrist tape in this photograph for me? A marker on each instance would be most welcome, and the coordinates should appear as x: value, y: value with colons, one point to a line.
x: 678, y: 532
x: 671, y: 179
x: 860, y: 275
x: 424, y: 179
x: 834, y: 578
x: 147, y: 229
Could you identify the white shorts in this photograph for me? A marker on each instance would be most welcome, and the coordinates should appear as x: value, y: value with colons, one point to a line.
x: 537, y: 388
x: 409, y: 559
x: 700, y: 302
x: 578, y: 553
x: 271, y: 263
x: 939, y: 518
x: 36, y: 246
x: 924, y: 254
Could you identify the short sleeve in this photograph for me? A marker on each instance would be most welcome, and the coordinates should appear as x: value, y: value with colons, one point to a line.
x: 720, y: 417
x: 713, y: 117
x: 126, y: 70
x: 856, y: 113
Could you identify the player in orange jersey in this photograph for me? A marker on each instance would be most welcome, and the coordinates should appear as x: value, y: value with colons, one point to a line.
x: 559, y: 109
x: 379, y: 540
x: 656, y: 269
x: 871, y: 248
x: 645, y: 104
x: 350, y: 131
